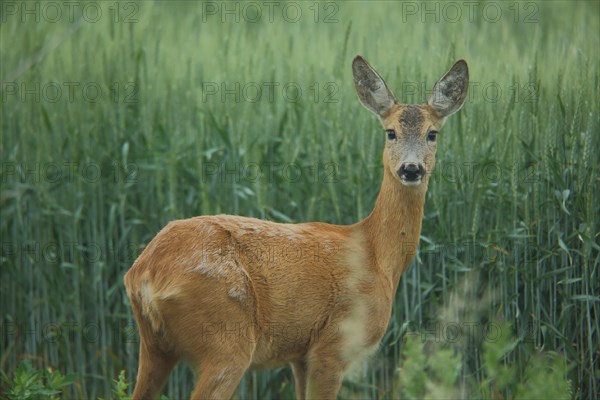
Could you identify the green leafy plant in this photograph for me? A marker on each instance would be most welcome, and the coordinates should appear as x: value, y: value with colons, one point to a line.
x: 428, y: 375
x: 431, y: 370
x: 30, y: 383
x: 120, y: 386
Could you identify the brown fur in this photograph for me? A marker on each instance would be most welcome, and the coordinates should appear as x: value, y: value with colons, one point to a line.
x: 228, y: 293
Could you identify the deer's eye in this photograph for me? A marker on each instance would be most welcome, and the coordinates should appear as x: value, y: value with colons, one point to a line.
x: 432, y: 136
x: 391, y: 134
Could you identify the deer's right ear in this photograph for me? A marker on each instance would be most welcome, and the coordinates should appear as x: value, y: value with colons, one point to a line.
x: 370, y: 87
x: 449, y: 93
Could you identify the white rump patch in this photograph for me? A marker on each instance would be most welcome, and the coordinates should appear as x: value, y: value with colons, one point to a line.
x: 148, y: 304
x: 147, y: 295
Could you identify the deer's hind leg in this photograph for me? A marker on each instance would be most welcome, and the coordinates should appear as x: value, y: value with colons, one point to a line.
x: 155, y: 364
x: 219, y: 379
x: 214, y: 333
x: 221, y: 363
x: 153, y: 371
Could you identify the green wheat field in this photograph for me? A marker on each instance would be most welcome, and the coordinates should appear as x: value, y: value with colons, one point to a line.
x: 118, y: 117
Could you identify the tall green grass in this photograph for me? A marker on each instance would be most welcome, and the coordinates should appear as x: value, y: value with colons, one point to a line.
x: 86, y: 184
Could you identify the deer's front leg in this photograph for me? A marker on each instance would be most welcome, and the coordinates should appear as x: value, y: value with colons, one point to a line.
x: 299, y: 368
x: 324, y: 375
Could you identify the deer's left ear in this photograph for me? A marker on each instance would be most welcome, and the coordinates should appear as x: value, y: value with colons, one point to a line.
x: 449, y: 93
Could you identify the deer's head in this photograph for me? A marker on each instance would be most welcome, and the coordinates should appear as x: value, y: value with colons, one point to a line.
x: 411, y: 130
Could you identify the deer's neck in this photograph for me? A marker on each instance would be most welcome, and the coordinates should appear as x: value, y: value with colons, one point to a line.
x: 392, y: 229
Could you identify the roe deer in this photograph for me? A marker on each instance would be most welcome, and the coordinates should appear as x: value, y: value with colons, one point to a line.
x: 228, y: 293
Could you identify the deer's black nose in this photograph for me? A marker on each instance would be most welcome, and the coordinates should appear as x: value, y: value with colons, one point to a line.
x: 411, y: 172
